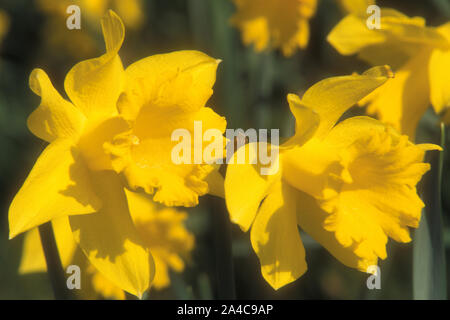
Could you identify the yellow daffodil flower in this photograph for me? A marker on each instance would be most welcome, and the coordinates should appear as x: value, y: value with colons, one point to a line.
x: 73, y: 176
x: 274, y: 24
x: 173, y: 86
x: 162, y: 230
x: 350, y: 186
x: 419, y: 54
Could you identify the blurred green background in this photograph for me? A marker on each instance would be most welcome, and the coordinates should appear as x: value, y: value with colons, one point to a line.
x: 250, y: 92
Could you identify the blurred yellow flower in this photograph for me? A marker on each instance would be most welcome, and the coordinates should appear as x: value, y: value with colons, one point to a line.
x: 73, y: 176
x: 162, y: 230
x: 420, y: 55
x: 163, y: 93
x: 4, y: 24
x: 350, y: 186
x: 131, y: 11
x: 274, y: 24
x: 357, y: 7
x: 81, y: 43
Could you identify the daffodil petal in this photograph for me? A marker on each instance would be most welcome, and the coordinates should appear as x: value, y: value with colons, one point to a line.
x: 168, y: 83
x: 331, y: 97
x: 162, y: 230
x: 57, y: 186
x: 245, y: 187
x: 311, y: 218
x: 55, y: 117
x: 351, y: 35
x: 402, y: 101
x: 306, y: 122
x: 216, y: 184
x: 33, y: 259
x: 440, y: 79
x: 313, y: 168
x: 276, y: 239
x: 110, y: 240
x: 88, y: 84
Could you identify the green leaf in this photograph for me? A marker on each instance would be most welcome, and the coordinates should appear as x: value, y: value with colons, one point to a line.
x: 429, y: 271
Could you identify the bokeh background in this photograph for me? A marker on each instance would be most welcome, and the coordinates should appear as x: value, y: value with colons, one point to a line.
x: 250, y: 92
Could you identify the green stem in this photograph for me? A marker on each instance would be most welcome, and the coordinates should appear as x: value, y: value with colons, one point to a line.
x: 429, y: 271
x: 221, y: 228
x: 54, y: 267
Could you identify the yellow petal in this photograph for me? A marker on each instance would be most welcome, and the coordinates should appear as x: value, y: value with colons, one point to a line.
x: 402, y: 101
x: 57, y: 186
x: 106, y: 288
x: 245, y: 187
x: 94, y: 85
x: 306, y: 122
x: 313, y: 168
x: 351, y: 35
x: 216, y: 184
x: 163, y: 232
x: 95, y: 135
x: 175, y: 82
x: 162, y: 279
x: 440, y: 79
x: 55, y: 117
x: 311, y: 218
x: 110, y: 240
x: 276, y: 239
x: 331, y: 97
x: 33, y: 259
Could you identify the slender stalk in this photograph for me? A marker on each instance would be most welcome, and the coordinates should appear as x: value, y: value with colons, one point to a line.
x: 429, y: 270
x: 221, y: 228
x: 54, y: 267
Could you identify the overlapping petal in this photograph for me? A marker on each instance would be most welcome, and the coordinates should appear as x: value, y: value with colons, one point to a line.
x: 331, y: 97
x: 58, y: 185
x: 245, y: 187
x: 311, y: 218
x: 110, y: 240
x: 33, y: 259
x: 276, y: 240
x: 402, y: 101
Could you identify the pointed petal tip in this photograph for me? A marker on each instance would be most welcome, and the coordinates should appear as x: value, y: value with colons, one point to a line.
x: 380, y: 71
